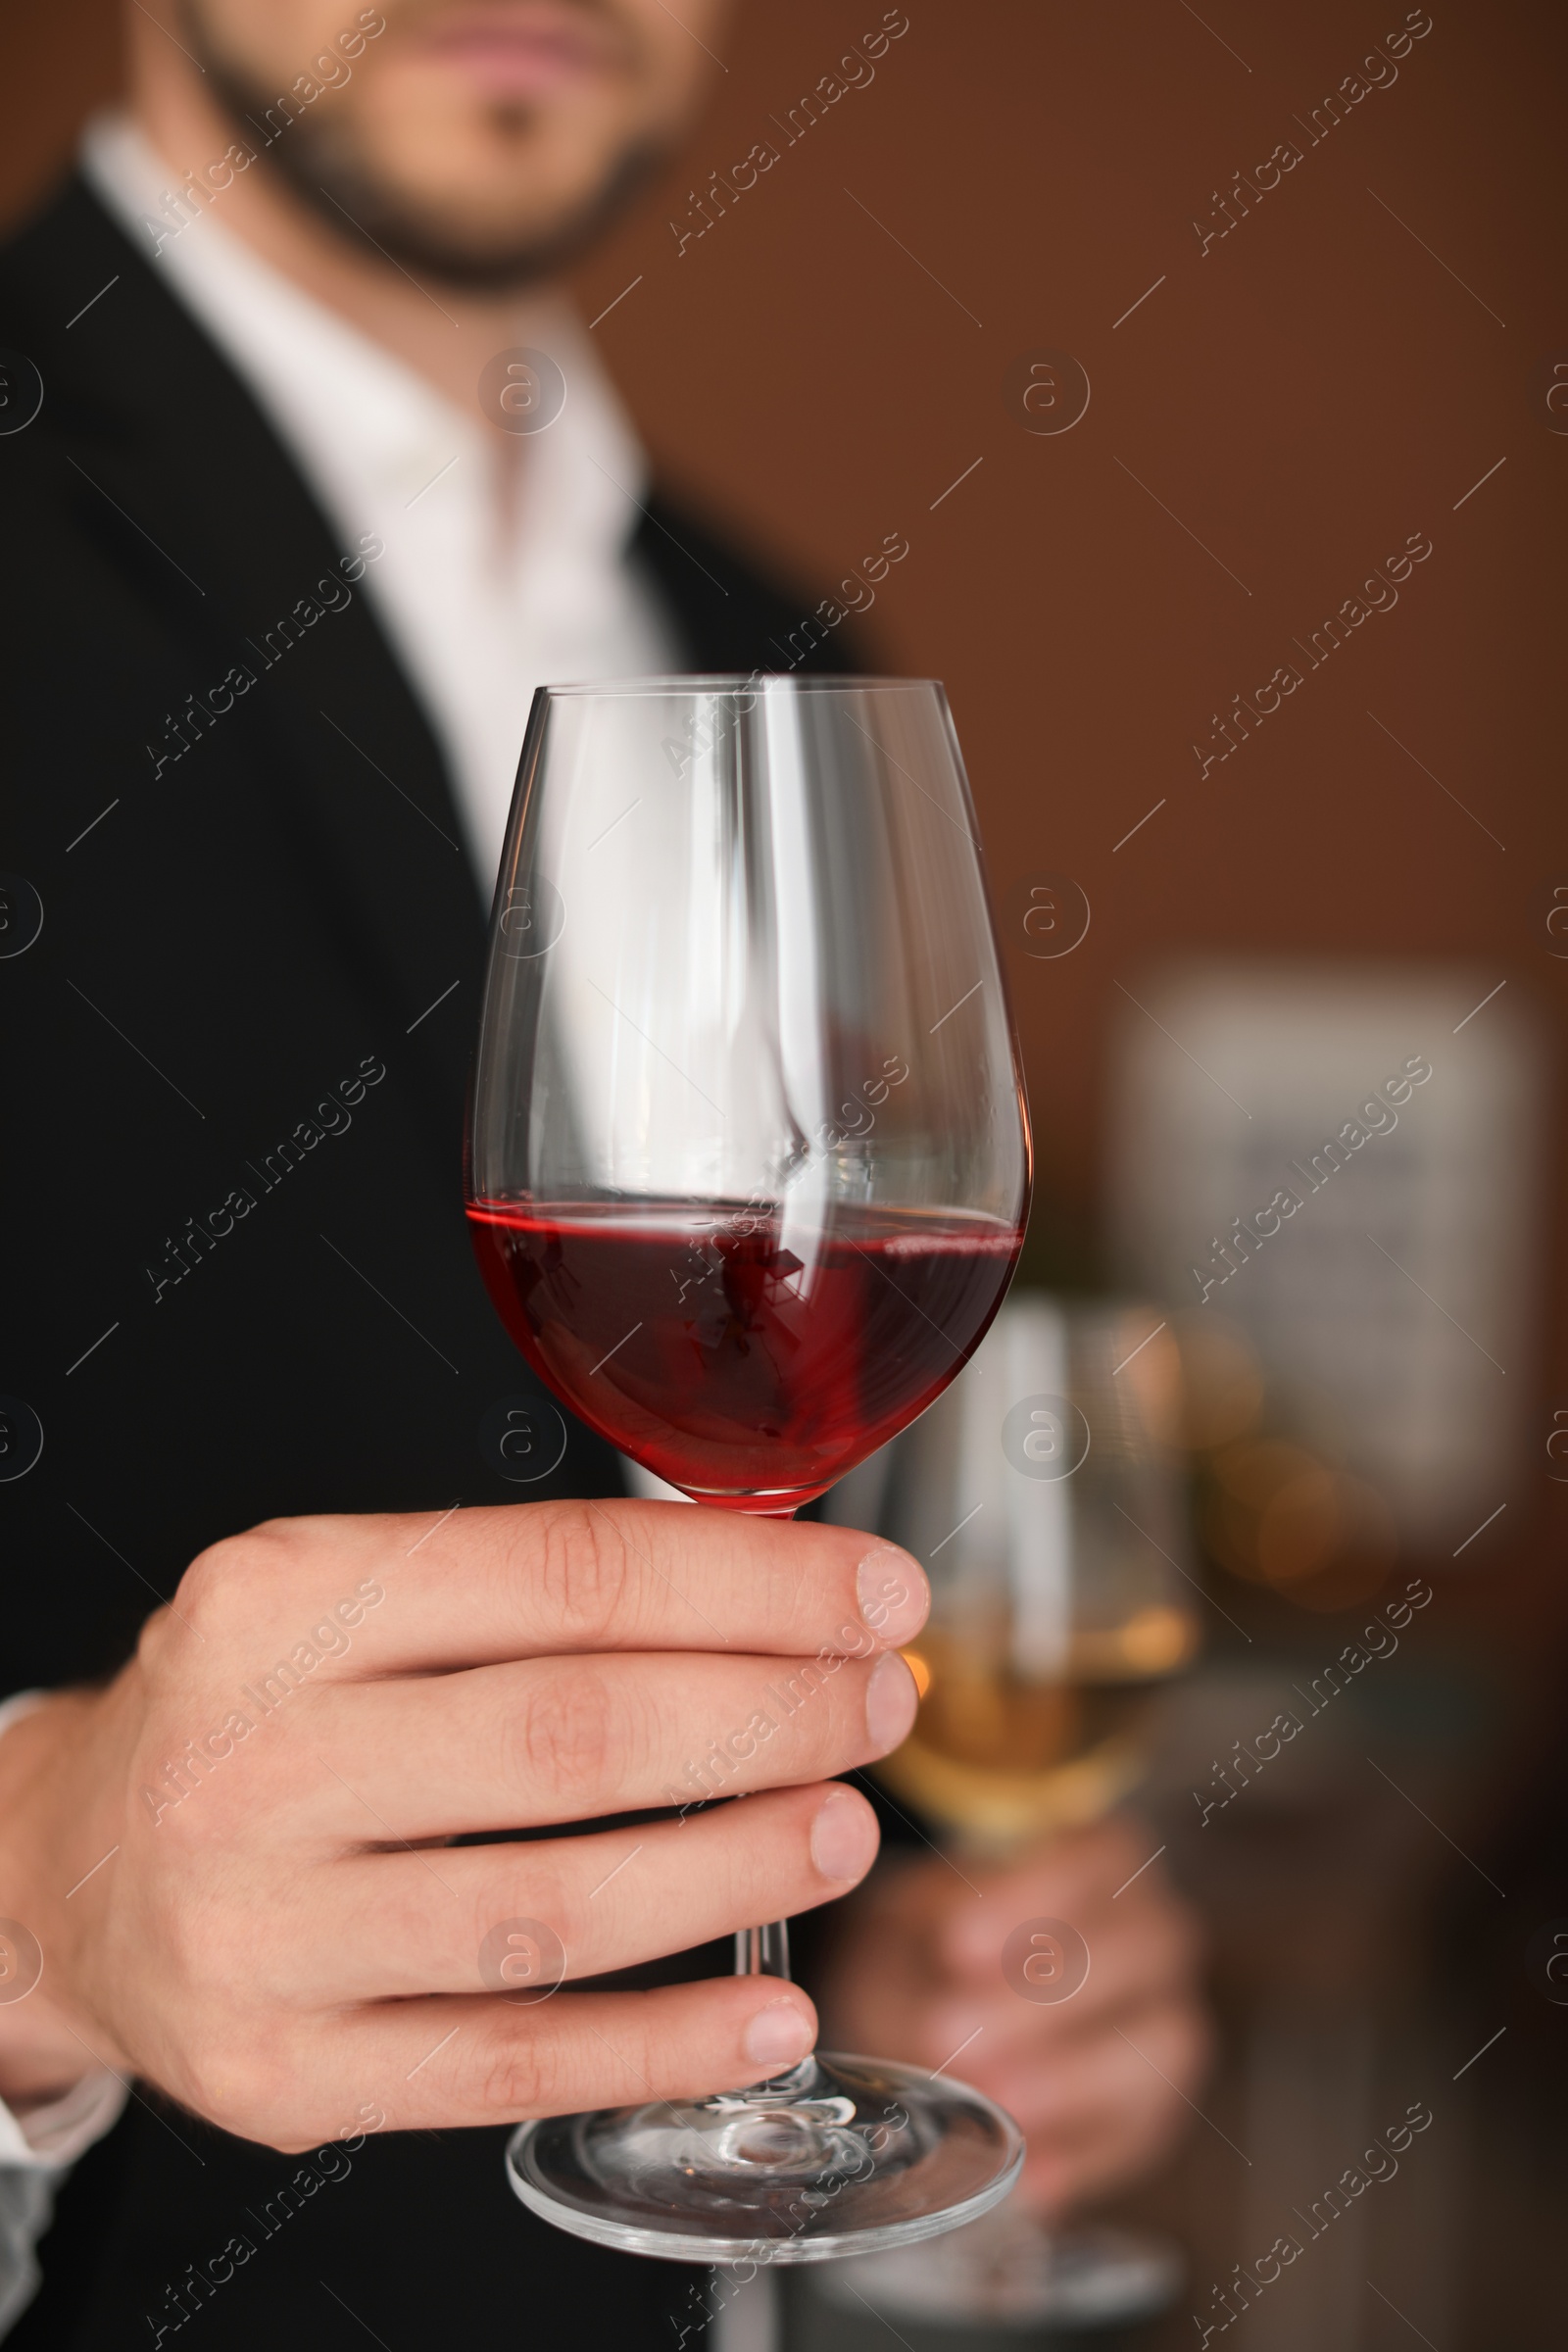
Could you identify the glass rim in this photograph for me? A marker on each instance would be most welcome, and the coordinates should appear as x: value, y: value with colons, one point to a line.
x: 736, y: 681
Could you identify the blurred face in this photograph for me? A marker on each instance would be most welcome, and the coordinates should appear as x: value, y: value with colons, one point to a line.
x: 483, y: 139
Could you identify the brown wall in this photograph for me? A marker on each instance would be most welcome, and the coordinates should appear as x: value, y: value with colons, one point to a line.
x: 1315, y: 387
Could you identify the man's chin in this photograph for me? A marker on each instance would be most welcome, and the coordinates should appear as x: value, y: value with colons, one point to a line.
x: 462, y: 251
x: 494, y: 247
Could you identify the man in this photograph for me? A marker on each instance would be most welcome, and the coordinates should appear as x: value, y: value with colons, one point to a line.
x: 283, y: 578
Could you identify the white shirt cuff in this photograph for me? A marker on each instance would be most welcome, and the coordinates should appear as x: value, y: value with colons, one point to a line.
x: 53, y: 2137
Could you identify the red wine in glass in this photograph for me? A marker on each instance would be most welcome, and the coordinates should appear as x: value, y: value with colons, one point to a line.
x: 749, y: 1367
x: 746, y: 1169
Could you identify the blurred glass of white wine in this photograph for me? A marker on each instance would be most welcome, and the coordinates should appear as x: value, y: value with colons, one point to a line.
x: 1043, y: 1494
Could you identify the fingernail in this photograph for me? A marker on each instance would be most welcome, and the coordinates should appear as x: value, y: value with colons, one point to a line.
x: 890, y: 1699
x: 893, y: 1594
x: 844, y: 1835
x: 778, y: 2034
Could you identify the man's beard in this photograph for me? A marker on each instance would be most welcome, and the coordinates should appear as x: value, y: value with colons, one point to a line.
x: 333, y: 182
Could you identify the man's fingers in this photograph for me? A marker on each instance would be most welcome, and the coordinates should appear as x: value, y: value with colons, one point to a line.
x: 1138, y: 2080
x: 1109, y: 2135
x: 609, y: 2049
x: 433, y: 2065
x: 1107, y: 1876
x: 460, y: 1588
x: 527, y: 1916
x: 1154, y: 1957
x: 554, y: 1740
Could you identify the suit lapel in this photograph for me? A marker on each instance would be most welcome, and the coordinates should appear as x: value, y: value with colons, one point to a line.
x: 172, y: 471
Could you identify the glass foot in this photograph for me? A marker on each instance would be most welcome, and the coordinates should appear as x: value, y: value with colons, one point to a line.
x: 839, y: 2156
x: 1008, y: 2271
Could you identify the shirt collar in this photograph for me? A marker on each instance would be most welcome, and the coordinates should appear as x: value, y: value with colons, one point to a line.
x: 350, y: 408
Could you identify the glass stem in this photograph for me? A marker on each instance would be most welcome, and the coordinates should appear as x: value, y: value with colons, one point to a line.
x: 764, y: 1951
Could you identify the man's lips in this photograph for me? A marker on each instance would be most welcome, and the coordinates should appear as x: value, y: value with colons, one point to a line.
x: 521, y: 51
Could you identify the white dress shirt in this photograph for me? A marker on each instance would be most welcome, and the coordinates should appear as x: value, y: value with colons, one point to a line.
x: 478, y: 617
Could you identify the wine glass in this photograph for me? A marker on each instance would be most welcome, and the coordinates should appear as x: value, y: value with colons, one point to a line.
x: 1044, y: 1494
x: 747, y: 1170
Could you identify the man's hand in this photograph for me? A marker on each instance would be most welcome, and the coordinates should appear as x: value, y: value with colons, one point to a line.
x: 289, y: 1942
x: 1098, y: 2081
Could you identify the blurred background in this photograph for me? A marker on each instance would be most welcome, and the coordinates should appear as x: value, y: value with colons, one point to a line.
x: 1150, y: 406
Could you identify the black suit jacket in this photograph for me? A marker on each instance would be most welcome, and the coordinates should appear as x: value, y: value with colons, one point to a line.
x: 273, y: 937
